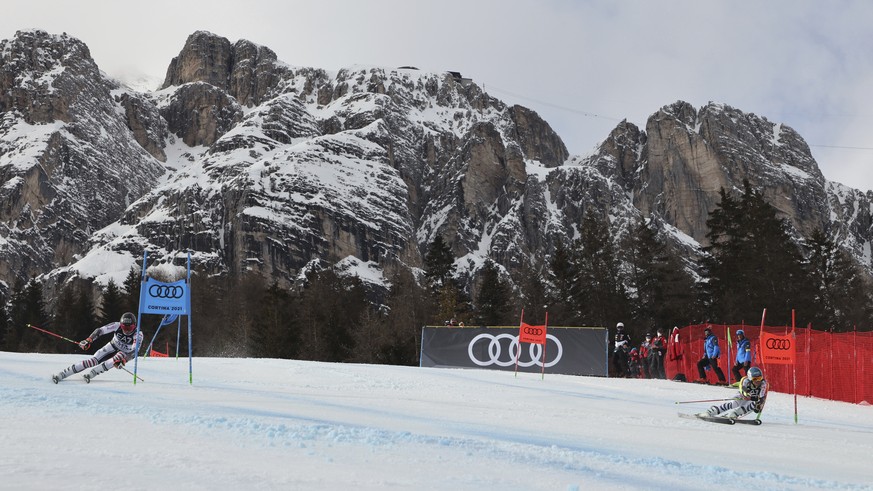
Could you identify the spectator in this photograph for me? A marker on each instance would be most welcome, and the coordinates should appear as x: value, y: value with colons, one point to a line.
x: 744, y: 357
x: 753, y: 394
x: 620, y: 366
x: 676, y: 353
x: 634, y: 363
x: 710, y: 358
x: 659, y: 351
x: 620, y: 360
x: 646, y: 355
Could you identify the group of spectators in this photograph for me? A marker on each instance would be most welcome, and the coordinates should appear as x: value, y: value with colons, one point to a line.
x: 647, y: 360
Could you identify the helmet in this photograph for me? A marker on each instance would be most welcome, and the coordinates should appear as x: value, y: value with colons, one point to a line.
x: 128, y: 323
x: 649, y: 335
x: 755, y: 374
x: 620, y: 325
x: 740, y: 333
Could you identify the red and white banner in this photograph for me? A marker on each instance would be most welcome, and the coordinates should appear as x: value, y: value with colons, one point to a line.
x: 778, y: 350
x: 532, y: 334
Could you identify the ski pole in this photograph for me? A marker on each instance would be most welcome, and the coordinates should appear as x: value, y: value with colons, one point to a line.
x: 705, y: 400
x: 53, y: 334
x: 128, y: 371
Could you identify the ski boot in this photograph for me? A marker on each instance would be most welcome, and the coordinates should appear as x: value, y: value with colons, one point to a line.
x: 55, y: 378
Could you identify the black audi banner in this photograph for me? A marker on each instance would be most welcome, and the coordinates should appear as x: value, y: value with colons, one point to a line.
x: 568, y: 350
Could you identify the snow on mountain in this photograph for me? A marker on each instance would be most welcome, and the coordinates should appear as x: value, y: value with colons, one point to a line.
x: 252, y: 164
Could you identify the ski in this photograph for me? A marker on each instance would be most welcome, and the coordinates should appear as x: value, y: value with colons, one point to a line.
x: 748, y: 421
x: 711, y: 419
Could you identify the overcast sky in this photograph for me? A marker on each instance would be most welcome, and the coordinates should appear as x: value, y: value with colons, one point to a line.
x: 582, y: 65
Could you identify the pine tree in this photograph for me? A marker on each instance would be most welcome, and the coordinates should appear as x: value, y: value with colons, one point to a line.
x: 332, y: 308
x: 113, y: 305
x: 17, y: 319
x: 439, y: 263
x: 563, y: 275
x: 84, y: 317
x: 130, y: 287
x: 841, y: 296
x: 64, y: 322
x: 533, y: 296
x: 492, y: 302
x: 275, y: 331
x: 753, y: 263
x: 395, y: 337
x: 664, y: 291
x: 601, y: 294
x: 4, y: 324
x: 30, y: 309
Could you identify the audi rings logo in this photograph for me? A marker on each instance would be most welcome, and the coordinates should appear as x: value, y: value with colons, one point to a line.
x: 778, y: 344
x: 164, y: 291
x: 533, y: 331
x: 497, y: 356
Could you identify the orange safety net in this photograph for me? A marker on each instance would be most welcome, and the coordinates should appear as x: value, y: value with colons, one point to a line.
x: 836, y: 366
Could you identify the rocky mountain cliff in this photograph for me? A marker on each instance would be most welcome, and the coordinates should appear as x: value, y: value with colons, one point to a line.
x: 255, y: 165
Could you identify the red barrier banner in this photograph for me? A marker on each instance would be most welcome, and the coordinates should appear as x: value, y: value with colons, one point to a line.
x: 778, y: 350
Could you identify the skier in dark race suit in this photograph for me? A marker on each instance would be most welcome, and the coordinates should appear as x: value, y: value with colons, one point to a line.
x: 117, y: 351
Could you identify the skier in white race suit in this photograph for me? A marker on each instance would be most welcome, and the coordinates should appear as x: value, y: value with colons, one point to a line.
x: 116, y: 353
x: 753, y: 394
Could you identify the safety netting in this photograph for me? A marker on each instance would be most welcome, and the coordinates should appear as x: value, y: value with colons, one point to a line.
x: 829, y: 365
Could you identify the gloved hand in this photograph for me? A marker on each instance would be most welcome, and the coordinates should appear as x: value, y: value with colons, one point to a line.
x: 119, y: 360
x: 85, y: 344
x: 753, y: 398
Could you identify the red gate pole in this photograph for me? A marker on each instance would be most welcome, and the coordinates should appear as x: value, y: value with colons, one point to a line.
x: 794, y: 365
x: 855, y: 363
x: 545, y: 342
x: 808, y: 343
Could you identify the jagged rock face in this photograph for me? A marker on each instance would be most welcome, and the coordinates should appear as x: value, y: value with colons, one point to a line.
x: 69, y: 164
x: 144, y: 120
x: 245, y: 71
x: 536, y: 137
x: 200, y: 113
x: 284, y: 166
x: 367, y: 162
x: 691, y: 155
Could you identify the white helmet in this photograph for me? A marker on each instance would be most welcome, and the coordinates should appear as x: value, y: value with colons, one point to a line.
x: 620, y: 325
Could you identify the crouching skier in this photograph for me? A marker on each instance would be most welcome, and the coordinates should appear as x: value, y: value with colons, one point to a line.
x: 116, y: 352
x: 753, y: 393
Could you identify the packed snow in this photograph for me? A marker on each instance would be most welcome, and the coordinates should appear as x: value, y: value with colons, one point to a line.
x: 288, y: 424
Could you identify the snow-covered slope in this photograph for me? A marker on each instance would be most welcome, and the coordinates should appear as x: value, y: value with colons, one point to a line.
x: 283, y: 424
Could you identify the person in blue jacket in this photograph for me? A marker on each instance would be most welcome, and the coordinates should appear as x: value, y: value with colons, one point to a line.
x: 710, y: 357
x: 744, y: 357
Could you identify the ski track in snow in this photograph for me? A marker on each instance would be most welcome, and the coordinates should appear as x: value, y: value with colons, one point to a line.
x: 343, y: 418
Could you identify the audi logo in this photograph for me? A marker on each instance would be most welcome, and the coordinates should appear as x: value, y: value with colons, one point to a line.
x: 533, y: 331
x: 778, y: 344
x: 162, y: 291
x: 495, y: 350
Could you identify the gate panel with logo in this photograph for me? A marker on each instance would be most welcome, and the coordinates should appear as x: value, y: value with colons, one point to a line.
x: 569, y: 350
